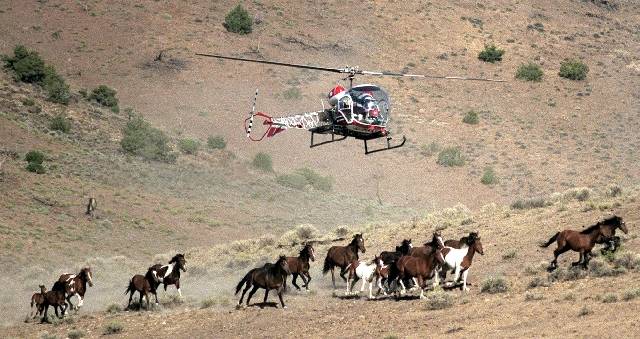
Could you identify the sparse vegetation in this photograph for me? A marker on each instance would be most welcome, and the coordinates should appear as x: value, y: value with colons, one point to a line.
x: 573, y: 69
x: 299, y: 234
x: 489, y: 176
x: 609, y: 298
x: 113, y: 327
x: 114, y: 308
x: 529, y: 72
x: 494, y: 285
x: 303, y: 177
x: 76, y: 334
x: 491, y: 54
x: 142, y: 139
x: 292, y: 93
x: 34, y: 162
x: 263, y: 162
x: 57, y: 89
x: 510, y: 255
x: 238, y: 21
x: 471, y: 118
x: 613, y: 190
x: 530, y: 296
x: 631, y: 294
x: 584, y: 311
x: 189, y: 146
x: 430, y: 149
x: 60, y: 123
x: 216, y: 142
x: 450, y: 157
x: 522, y: 204
x: 105, y: 96
x: 539, y: 282
x: 438, y: 300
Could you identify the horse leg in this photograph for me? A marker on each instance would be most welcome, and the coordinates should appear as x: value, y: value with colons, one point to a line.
x: 255, y: 288
x: 348, y: 287
x: 333, y: 278
x: 130, y: 297
x: 587, y: 258
x: 80, y: 302
x: 420, y: 283
x: 556, y: 254
x: 281, y: 301
x: 304, y: 281
x: 342, y: 272
x: 293, y: 281
x: 55, y: 308
x: 266, y: 294
x: 404, y: 289
x: 140, y: 301
x: 69, y: 301
x: 308, y: 280
x: 178, y: 287
x: 45, y: 317
x: 244, y: 291
x: 464, y: 280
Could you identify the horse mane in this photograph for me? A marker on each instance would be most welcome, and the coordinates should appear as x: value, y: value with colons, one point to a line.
x: 590, y: 228
x: 610, y: 219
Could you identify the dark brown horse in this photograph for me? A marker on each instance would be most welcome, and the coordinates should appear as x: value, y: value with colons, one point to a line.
x: 462, y: 242
x: 389, y: 257
x: 269, y: 277
x: 55, y: 298
x: 341, y: 256
x: 37, y: 302
x: 167, y: 274
x: 583, y: 241
x: 76, y: 284
x: 608, y: 227
x: 144, y: 286
x: 420, y: 269
x: 428, y: 247
x: 300, y: 266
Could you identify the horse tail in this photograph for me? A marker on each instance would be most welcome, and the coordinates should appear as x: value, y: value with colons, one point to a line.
x: 243, y: 281
x: 328, y: 265
x: 550, y: 240
x: 130, y: 288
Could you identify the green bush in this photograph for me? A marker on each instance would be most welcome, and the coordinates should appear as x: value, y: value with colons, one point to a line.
x: 451, y: 156
x: 489, y: 177
x: 525, y: 204
x: 57, y: 89
x: 262, y: 161
x: 113, y: 328
x: 494, y: 285
x: 238, y: 21
x: 60, y: 123
x: 573, y: 69
x: 439, y: 299
x: 105, y: 96
x: 142, y: 139
x: 189, y: 146
x: 35, y: 167
x: 27, y: 65
x: 471, y: 118
x: 491, y: 54
x: 529, y: 72
x: 35, y: 157
x: 216, y: 142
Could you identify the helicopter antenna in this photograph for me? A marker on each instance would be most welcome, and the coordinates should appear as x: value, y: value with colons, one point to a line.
x: 351, y: 71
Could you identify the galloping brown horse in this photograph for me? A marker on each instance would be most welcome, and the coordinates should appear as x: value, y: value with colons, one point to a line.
x: 270, y: 277
x: 144, y: 286
x: 420, y: 268
x: 342, y: 256
x: 428, y: 247
x: 300, y: 265
x: 76, y: 284
x: 462, y: 242
x: 54, y: 298
x: 584, y: 241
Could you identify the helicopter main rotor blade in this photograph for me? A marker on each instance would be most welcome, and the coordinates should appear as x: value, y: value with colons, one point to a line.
x: 428, y: 76
x: 317, y: 68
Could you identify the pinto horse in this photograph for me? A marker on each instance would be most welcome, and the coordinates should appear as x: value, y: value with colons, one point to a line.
x: 462, y: 242
x: 368, y: 273
x: 144, y: 286
x: 300, y: 266
x: 75, y: 284
x: 167, y: 274
x: 584, y: 241
x: 419, y: 269
x: 460, y: 259
x: 269, y: 277
x: 341, y: 256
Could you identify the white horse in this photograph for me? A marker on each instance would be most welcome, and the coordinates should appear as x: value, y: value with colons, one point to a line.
x: 368, y: 273
x: 460, y: 260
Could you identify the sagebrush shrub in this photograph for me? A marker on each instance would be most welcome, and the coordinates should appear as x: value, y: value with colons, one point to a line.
x: 216, y: 142
x: 573, y: 69
x: 529, y: 72
x: 27, y: 65
x: 262, y: 161
x: 451, y: 156
x: 238, y: 21
x: 105, y: 96
x: 142, y: 139
x: 189, y: 146
x: 491, y: 54
x: 60, y: 123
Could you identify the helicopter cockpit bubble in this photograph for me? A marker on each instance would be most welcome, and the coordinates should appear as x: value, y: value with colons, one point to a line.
x: 371, y: 104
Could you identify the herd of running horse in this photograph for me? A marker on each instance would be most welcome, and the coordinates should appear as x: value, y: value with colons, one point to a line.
x: 391, y: 271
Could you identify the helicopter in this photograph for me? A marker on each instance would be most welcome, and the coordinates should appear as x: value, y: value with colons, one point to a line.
x: 361, y: 111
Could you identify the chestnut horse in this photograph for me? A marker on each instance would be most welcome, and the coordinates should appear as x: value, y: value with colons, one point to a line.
x: 341, y: 256
x: 584, y: 241
x: 270, y: 277
x: 37, y: 302
x: 428, y: 247
x: 55, y: 298
x: 143, y: 285
x: 461, y: 242
x: 420, y: 269
x: 76, y: 284
x: 300, y: 265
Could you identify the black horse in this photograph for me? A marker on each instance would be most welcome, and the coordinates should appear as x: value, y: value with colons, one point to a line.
x: 269, y: 277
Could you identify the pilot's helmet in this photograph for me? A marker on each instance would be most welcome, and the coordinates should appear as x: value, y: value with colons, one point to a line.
x: 370, y: 106
x: 337, y: 93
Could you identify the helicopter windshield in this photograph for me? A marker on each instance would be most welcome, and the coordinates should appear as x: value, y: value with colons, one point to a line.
x: 371, y: 102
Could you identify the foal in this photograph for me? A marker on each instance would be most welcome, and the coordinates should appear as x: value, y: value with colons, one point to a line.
x: 300, y: 266
x: 368, y: 273
x: 37, y: 302
x: 269, y: 277
x: 341, y: 256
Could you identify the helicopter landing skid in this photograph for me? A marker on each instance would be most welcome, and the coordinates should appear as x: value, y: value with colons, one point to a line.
x: 389, y: 147
x: 333, y: 139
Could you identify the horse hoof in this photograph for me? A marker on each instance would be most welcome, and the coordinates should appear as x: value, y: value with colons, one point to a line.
x: 284, y: 307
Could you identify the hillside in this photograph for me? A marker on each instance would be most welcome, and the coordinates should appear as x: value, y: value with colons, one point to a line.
x: 562, y: 153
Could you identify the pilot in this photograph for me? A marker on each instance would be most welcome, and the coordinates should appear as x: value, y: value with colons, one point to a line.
x: 367, y: 108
